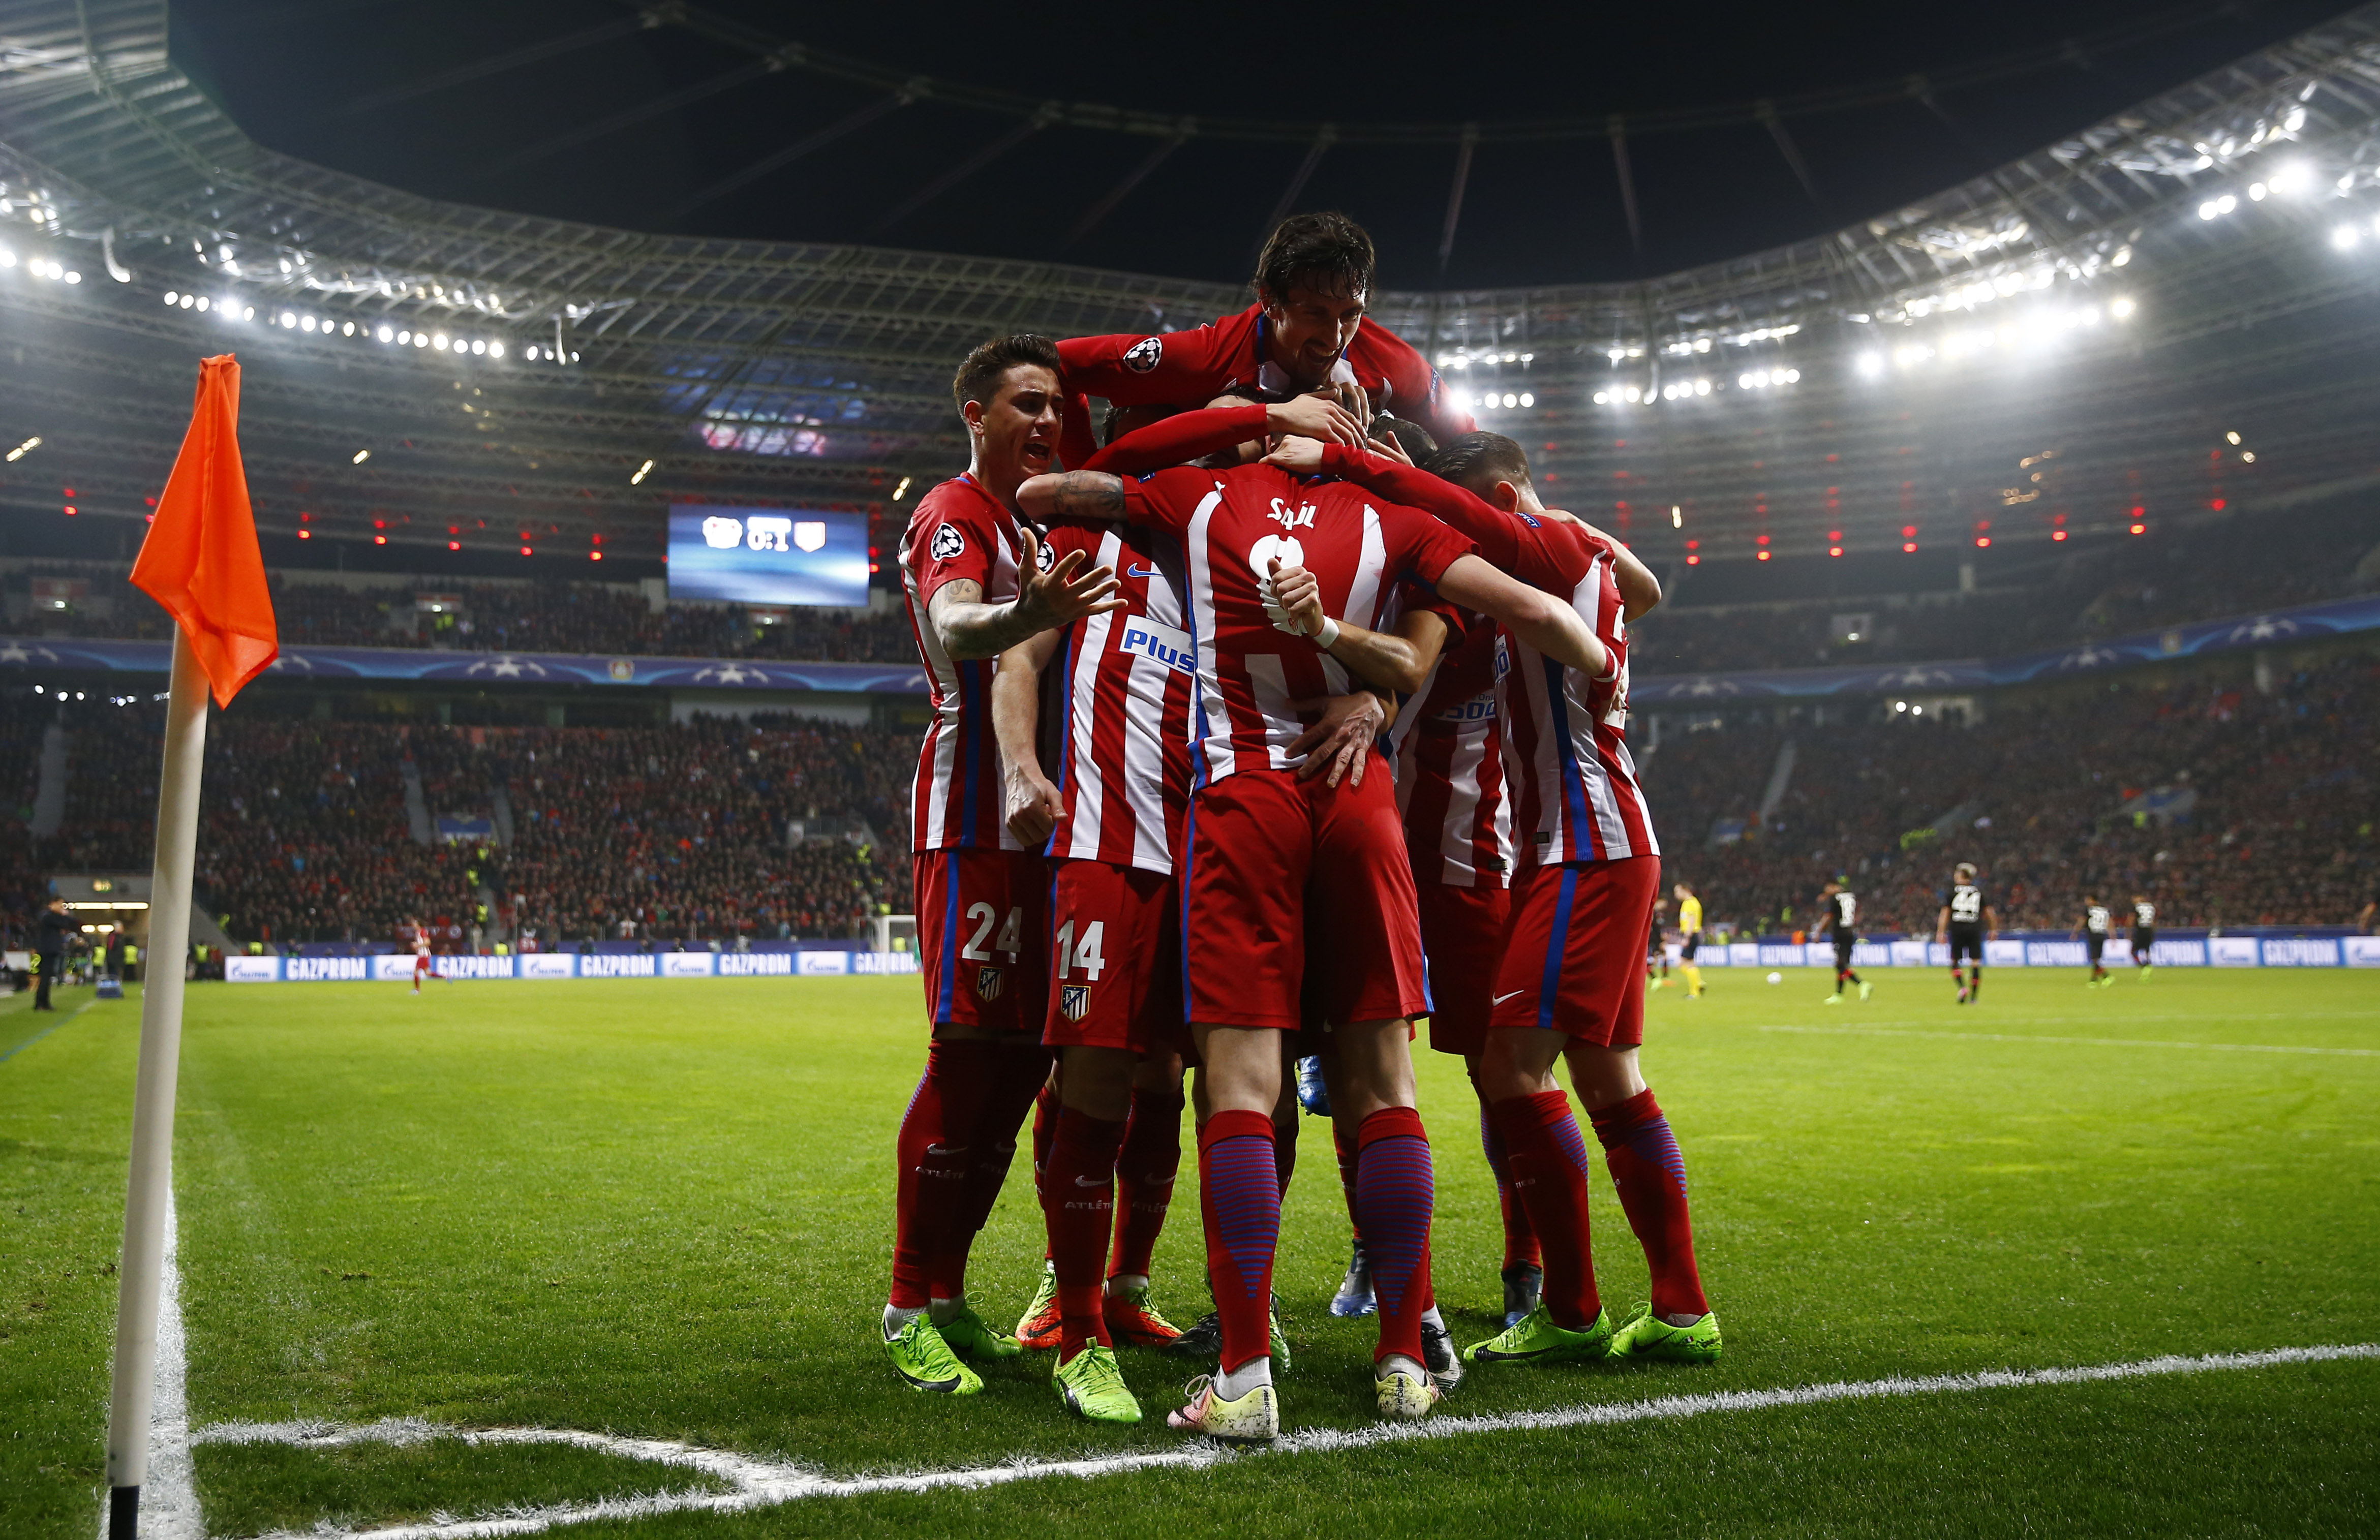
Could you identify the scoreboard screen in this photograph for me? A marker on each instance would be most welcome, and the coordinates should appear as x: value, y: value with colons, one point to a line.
x: 768, y: 555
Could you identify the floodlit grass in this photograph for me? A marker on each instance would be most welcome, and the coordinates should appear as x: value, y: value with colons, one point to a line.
x: 664, y: 1209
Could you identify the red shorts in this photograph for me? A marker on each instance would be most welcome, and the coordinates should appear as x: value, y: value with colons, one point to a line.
x: 982, y: 924
x: 1115, y: 959
x: 1575, y: 963
x: 1256, y: 842
x: 1463, y: 930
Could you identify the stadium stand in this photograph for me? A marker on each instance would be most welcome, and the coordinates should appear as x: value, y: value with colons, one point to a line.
x: 2226, y: 807
x: 548, y: 616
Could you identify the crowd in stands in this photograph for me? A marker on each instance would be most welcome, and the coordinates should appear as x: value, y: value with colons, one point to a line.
x: 2269, y: 806
x: 2186, y: 574
x: 662, y: 835
x: 601, y: 618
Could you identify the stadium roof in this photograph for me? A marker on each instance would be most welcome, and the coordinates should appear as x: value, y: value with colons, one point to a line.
x: 2093, y: 313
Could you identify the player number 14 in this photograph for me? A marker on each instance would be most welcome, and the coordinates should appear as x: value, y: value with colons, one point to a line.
x: 1085, y: 956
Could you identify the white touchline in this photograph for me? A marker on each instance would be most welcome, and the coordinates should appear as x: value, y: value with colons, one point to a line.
x: 767, y: 1484
x: 2070, y: 1042
x: 169, y: 1498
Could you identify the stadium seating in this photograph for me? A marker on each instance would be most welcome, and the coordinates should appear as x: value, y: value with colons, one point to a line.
x: 2268, y: 806
x: 495, y: 617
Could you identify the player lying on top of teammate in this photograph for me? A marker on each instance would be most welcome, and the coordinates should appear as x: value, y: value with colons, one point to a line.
x: 1569, y: 985
x: 1260, y: 842
x: 1307, y: 331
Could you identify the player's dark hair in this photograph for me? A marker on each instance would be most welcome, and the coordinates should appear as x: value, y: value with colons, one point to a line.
x: 1411, y: 437
x: 1477, y: 461
x: 980, y: 375
x: 1964, y: 868
x: 1327, y: 252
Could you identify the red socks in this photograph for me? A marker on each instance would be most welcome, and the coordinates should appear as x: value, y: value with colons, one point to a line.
x: 1349, y: 1147
x: 1520, y: 1240
x: 1045, y: 1129
x: 1548, y: 1162
x: 1394, y: 1191
x: 1651, y: 1177
x: 1144, y: 1173
x: 918, y: 1220
x: 1078, y: 1203
x: 983, y: 1090
x: 1239, y: 1196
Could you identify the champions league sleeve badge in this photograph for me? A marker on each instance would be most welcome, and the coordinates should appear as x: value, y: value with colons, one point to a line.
x: 1144, y: 355
x: 948, y: 543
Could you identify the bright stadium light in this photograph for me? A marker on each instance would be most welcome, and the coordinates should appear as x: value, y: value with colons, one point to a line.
x: 1871, y: 364
x: 289, y: 320
x: 384, y: 334
x: 495, y: 350
x: 1602, y: 398
x: 1701, y: 387
x: 2346, y: 237
x: 1632, y: 394
x: 2290, y: 180
x: 2121, y: 307
x: 24, y: 449
x: 361, y: 455
x: 638, y: 480
x: 172, y: 298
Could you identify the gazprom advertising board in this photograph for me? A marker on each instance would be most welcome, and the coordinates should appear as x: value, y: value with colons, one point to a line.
x: 768, y: 555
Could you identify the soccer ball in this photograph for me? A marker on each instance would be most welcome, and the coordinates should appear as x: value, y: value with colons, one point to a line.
x: 1776, y: 978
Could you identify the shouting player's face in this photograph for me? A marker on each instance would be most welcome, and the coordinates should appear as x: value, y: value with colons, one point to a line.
x: 1015, y: 432
x: 1311, y: 329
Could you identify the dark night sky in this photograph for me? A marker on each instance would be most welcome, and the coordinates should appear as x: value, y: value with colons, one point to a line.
x: 1534, y: 214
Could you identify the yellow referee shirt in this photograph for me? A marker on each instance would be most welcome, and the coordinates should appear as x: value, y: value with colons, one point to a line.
x: 1690, y: 917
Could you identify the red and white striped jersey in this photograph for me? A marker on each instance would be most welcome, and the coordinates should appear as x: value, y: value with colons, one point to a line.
x: 1450, y: 768
x: 1126, y: 682
x: 1234, y: 524
x: 1576, y: 794
x: 1573, y: 785
x: 959, y: 530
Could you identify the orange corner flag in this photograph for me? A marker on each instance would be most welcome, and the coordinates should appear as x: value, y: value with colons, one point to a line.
x: 200, y: 560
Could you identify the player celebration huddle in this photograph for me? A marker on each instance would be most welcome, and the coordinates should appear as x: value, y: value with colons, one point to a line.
x: 1271, y: 715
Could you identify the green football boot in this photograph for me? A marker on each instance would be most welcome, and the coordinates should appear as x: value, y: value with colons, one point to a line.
x: 1537, y: 1341
x: 1646, y: 1335
x: 1037, y: 1328
x: 1092, y: 1384
x: 922, y: 1359
x: 970, y: 1336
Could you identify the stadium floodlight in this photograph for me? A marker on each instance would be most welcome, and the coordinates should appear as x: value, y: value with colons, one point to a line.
x: 203, y: 302
x: 495, y: 350
x: 306, y: 323
x: 24, y: 449
x: 289, y: 320
x: 2121, y: 307
x: 2346, y: 237
x: 2256, y: 191
x: 72, y: 276
x: 172, y: 298
x: 1677, y: 517
x: 7, y: 258
x: 1632, y: 394
x: 902, y: 491
x: 636, y: 480
x: 246, y: 314
x: 439, y: 342
x: 404, y: 337
x: 361, y: 455
x: 384, y: 334
x: 2231, y: 438
x: 2247, y: 457
x: 479, y: 346
x: 347, y: 328
x: 1871, y: 364
x: 420, y: 339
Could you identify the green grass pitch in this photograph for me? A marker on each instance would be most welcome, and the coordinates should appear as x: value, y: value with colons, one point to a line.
x: 662, y: 1208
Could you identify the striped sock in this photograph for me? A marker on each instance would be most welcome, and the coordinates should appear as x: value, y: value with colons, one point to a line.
x: 1239, y: 1200
x: 1395, y: 1188
x: 1651, y: 1177
x: 1549, y: 1166
x: 1520, y: 1240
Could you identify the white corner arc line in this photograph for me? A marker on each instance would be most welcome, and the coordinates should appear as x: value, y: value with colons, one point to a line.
x: 2068, y: 1042
x: 765, y: 1484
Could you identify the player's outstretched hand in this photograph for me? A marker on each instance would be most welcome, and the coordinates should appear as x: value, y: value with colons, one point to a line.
x: 1315, y: 417
x: 1296, y: 603
x: 1341, y: 741
x: 1065, y: 593
x: 1298, y: 453
x: 1386, y: 445
x: 1033, y: 803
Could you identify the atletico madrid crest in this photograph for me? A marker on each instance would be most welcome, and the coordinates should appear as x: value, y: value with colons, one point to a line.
x: 1075, y: 1002
x: 986, y: 983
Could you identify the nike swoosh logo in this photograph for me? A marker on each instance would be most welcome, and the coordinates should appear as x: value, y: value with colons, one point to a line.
x: 946, y: 1150
x: 1503, y: 998
x: 1090, y: 1182
x: 1142, y: 572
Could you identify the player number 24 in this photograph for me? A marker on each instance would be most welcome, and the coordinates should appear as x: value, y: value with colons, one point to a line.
x: 1085, y: 956
x: 1011, y: 934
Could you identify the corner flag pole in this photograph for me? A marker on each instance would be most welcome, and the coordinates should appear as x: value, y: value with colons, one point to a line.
x: 201, y: 561
x: 152, y: 1095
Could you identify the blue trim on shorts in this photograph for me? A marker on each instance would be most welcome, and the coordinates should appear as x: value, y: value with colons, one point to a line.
x: 1557, y: 949
x: 950, y: 935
